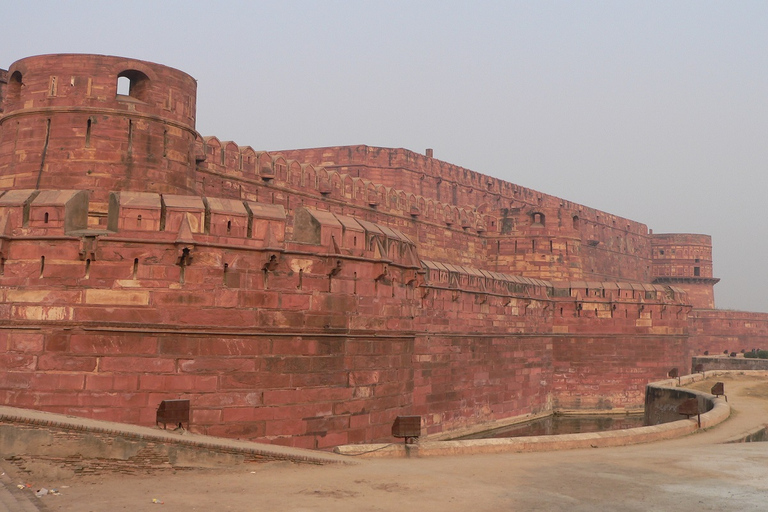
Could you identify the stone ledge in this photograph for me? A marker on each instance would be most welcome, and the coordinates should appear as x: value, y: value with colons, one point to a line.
x: 176, y: 449
x: 719, y: 413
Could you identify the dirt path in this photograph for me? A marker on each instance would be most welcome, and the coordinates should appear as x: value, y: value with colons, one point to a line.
x: 693, y: 473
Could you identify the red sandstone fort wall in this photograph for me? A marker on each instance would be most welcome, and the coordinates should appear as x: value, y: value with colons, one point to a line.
x: 610, y: 247
x: 717, y: 331
x: 308, y: 297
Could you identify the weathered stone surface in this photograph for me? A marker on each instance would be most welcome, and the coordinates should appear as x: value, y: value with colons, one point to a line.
x: 309, y: 297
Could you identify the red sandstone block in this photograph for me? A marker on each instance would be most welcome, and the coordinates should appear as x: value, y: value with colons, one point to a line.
x: 166, y: 382
x: 131, y: 416
x: 227, y: 298
x: 327, y: 424
x: 213, y: 317
x: 359, y: 421
x: 130, y: 364
x: 179, y: 346
x: 332, y: 346
x: 295, y: 301
x: 298, y: 396
x: 328, y: 363
x: 333, y: 302
x: 259, y: 299
x: 206, y: 383
x: 332, y: 439
x: 253, y: 381
x: 205, y: 416
x: 286, y: 319
x: 308, y: 410
x: 294, y: 346
x: 182, y: 298
x: 246, y: 346
x: 17, y: 362
x: 283, y: 281
x: 148, y: 415
x: 335, y: 320
x: 253, y: 430
x: 42, y: 399
x: 99, y: 382
x: 226, y: 399
x: 46, y: 382
x: 306, y: 442
x: 286, y: 364
x: 25, y: 342
x: 105, y: 414
x: 302, y: 380
x: 242, y: 414
x: 363, y: 378
x: 389, y: 389
x: 112, y: 344
x: 386, y: 403
x: 238, y: 414
x: 16, y: 380
x: 384, y: 431
x: 57, y: 342
x: 352, y: 407
x: 216, y: 365
x: 66, y: 363
x: 128, y: 315
x: 370, y: 362
x: 117, y: 400
x: 358, y: 436
x: 291, y: 427
x: 125, y: 382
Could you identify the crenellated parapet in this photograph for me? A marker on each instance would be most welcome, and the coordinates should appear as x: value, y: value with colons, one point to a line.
x: 3, y: 85
x: 583, y: 242
x: 277, y: 172
x: 540, y: 239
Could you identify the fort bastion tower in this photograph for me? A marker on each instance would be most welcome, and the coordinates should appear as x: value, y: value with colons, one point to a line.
x: 66, y: 126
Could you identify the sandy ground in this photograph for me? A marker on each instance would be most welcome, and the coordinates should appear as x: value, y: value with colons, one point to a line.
x: 697, y: 472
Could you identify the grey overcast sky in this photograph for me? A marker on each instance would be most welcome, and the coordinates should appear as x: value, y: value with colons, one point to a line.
x: 655, y: 111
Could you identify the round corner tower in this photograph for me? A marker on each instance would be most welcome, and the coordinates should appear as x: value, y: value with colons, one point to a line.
x: 685, y: 260
x: 97, y: 123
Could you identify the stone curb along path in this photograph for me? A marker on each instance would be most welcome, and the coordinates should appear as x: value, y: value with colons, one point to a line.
x: 37, y: 434
x: 719, y: 413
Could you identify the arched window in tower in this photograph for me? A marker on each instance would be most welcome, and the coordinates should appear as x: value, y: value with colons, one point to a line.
x: 575, y: 222
x: 14, y: 86
x: 133, y: 83
x: 538, y: 219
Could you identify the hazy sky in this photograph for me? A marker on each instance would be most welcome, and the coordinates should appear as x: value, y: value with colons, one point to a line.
x: 654, y: 111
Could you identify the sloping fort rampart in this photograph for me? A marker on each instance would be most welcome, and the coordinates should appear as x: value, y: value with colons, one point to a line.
x: 308, y: 297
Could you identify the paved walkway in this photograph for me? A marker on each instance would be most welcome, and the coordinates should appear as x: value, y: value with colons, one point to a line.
x: 15, y: 500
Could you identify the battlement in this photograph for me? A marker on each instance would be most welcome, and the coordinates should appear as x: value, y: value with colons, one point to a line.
x: 592, y: 244
x: 3, y: 85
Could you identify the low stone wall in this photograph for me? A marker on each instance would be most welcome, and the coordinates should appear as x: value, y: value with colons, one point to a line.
x: 717, y: 411
x: 91, y: 446
x: 710, y: 363
x: 662, y: 403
